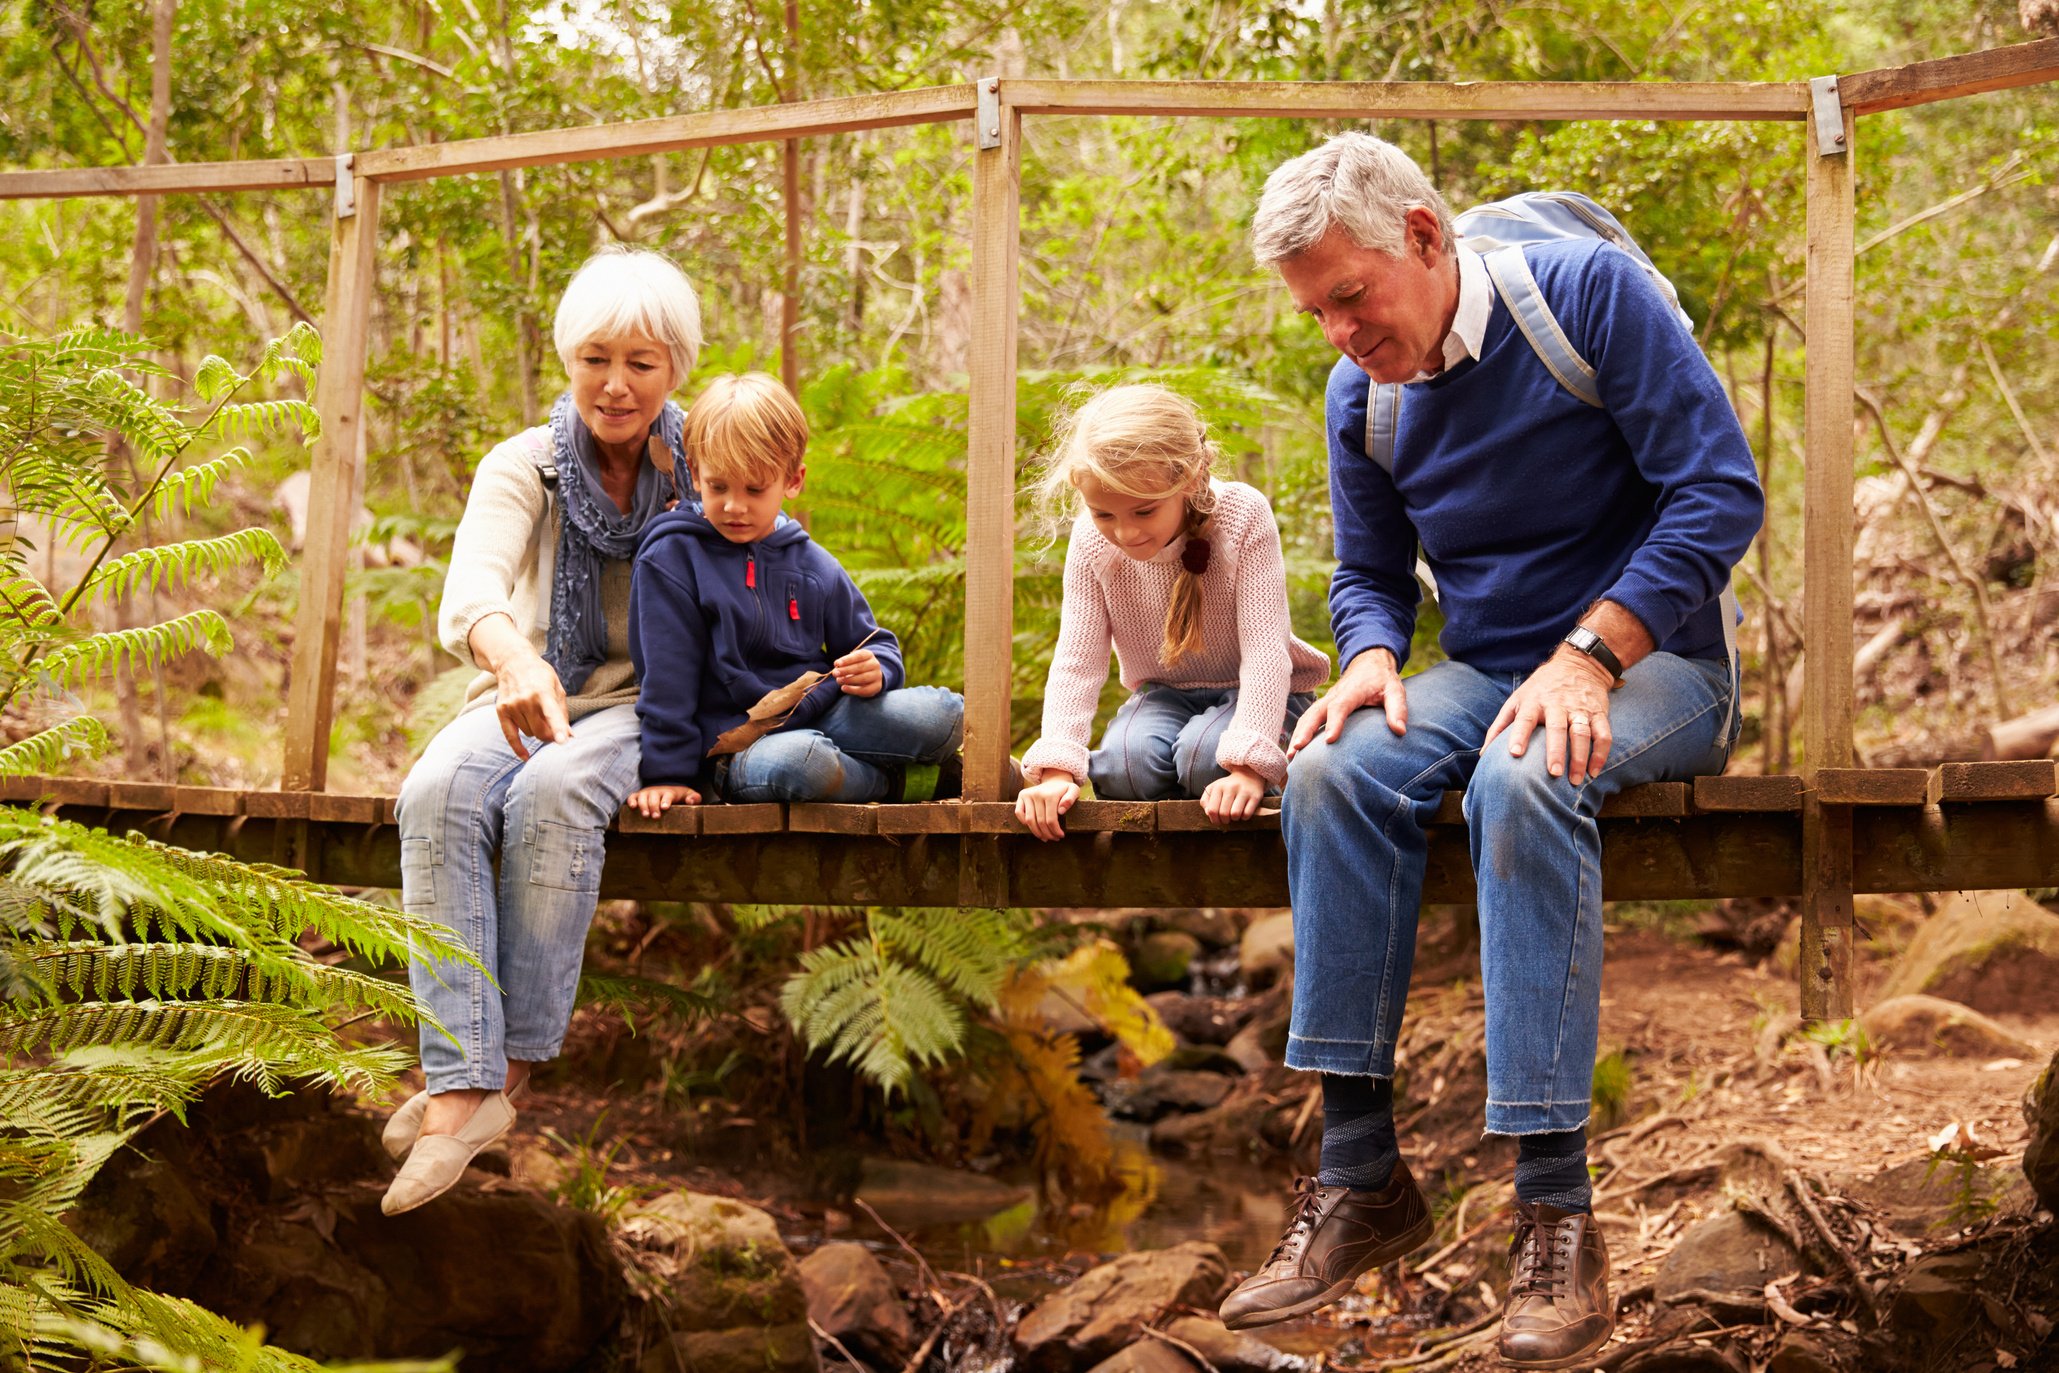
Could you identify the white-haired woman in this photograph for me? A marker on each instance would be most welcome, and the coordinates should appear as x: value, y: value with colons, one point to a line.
x: 545, y: 749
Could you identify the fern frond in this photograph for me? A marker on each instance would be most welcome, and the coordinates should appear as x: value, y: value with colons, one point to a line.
x: 27, y: 601
x: 139, y: 649
x: 164, y: 564
x: 48, y: 750
x: 629, y: 996
x: 181, y: 491
x: 240, y: 1026
x: 212, y: 972
x: 255, y: 418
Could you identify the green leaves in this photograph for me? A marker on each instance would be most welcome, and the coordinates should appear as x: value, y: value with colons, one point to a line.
x: 167, y: 564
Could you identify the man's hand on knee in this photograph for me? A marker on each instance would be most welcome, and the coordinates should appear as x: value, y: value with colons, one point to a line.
x: 1569, y: 696
x: 1371, y: 679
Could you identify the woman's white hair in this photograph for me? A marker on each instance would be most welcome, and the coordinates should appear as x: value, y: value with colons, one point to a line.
x: 1364, y: 183
x: 622, y: 291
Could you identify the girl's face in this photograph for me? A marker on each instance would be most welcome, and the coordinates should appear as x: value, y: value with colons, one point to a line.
x: 1140, y: 527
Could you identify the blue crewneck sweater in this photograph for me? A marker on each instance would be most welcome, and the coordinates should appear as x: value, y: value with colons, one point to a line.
x: 1531, y: 505
x: 715, y: 625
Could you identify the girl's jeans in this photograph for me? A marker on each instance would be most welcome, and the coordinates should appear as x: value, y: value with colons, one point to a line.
x: 1161, y: 744
x: 847, y: 755
x: 1353, y: 821
x: 468, y: 797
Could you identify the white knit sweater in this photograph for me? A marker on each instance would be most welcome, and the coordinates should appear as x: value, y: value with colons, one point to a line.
x: 501, y: 564
x: 1247, y: 641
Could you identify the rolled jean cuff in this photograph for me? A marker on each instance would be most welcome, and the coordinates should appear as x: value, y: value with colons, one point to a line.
x: 526, y: 1054
x: 1346, y: 1057
x: 1537, y: 1117
x: 461, y: 1077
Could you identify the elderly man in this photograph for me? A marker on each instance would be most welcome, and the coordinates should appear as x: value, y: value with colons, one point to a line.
x: 1580, y: 551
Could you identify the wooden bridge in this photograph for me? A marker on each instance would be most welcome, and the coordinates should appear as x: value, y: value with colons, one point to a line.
x: 1819, y: 836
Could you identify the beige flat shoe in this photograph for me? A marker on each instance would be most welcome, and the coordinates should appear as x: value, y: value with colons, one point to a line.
x: 437, y: 1161
x: 405, y: 1124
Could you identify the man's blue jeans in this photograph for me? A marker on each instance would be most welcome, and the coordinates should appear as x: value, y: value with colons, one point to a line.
x: 1353, y: 821
x: 1161, y: 744
x: 467, y: 797
x: 847, y: 755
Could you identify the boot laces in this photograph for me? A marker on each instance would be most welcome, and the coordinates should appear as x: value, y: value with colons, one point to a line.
x: 1308, y: 1200
x: 1543, y: 1260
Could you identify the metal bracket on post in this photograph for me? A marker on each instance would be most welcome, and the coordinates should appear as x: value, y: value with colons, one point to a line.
x: 986, y: 124
x: 346, y: 186
x: 1829, y: 116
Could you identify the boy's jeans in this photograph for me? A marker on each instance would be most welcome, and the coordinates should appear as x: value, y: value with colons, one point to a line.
x: 468, y: 796
x: 1161, y: 744
x: 1353, y: 822
x: 847, y: 755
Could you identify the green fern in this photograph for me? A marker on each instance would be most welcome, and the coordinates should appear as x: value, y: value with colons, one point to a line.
x: 165, y: 564
x: 138, y: 650
x: 629, y: 996
x: 45, y: 752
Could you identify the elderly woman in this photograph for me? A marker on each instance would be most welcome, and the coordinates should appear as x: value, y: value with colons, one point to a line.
x: 545, y: 749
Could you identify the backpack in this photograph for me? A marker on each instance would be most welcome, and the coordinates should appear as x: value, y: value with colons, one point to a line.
x: 1498, y: 231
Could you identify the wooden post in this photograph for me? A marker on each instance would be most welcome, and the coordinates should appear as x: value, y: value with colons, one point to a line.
x: 1827, y: 923
x: 990, y: 463
x: 339, y: 396
x: 790, y: 168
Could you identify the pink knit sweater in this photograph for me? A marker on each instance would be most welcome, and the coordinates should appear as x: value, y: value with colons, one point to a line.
x: 1246, y: 640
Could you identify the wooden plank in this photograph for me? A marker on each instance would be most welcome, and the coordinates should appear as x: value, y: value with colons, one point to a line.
x: 1828, y: 927
x: 75, y: 791
x: 23, y: 789
x: 769, y: 818
x: 1743, y: 100
x: 274, y: 174
x: 355, y: 810
x: 1652, y: 801
x: 339, y: 396
x: 1735, y: 794
x: 2032, y: 780
x: 990, y: 817
x: 276, y: 805
x: 1187, y: 816
x: 990, y: 461
x: 932, y: 817
x: 155, y: 797
x: 679, y: 820
x: 1126, y: 817
x: 1450, y: 808
x: 1877, y: 786
x: 1949, y: 78
x: 810, y: 817
x: 710, y: 128
x: 208, y: 801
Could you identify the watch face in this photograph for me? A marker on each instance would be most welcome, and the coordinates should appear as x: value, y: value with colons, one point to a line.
x: 1583, y: 639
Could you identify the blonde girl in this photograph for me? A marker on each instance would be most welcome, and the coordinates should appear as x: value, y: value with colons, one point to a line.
x: 1181, y: 574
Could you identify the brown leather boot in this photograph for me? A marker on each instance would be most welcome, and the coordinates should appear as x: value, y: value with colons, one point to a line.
x: 1559, y: 1312
x: 1335, y: 1235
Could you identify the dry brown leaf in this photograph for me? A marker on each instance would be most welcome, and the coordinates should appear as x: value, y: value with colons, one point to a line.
x: 769, y: 714
x: 661, y: 455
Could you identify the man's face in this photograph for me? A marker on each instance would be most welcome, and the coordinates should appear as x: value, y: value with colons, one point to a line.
x: 744, y: 507
x: 1387, y: 314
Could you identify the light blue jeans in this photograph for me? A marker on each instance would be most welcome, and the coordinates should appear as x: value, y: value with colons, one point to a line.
x: 1353, y: 821
x: 850, y: 753
x: 1161, y: 744
x: 468, y: 797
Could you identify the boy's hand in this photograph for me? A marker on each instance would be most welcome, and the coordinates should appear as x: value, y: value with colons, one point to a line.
x: 859, y: 673
x: 652, y: 802
x: 1039, y: 807
x: 1234, y: 797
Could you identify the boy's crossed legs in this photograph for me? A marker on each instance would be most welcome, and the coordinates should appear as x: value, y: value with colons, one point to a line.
x: 850, y: 754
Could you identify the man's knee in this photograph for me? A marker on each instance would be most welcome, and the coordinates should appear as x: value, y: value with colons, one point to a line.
x: 1505, y: 785
x: 1364, y: 755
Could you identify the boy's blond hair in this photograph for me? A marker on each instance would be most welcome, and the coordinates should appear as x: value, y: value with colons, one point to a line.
x: 746, y: 426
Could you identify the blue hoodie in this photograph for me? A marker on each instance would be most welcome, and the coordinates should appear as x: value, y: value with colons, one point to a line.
x: 715, y: 625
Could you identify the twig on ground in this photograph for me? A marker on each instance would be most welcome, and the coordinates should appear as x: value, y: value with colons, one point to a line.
x: 1771, y: 1219
x: 1306, y: 1114
x: 1779, y: 1306
x: 1802, y: 1198
x: 936, y: 1332
x: 834, y: 1343
x: 1189, y: 1350
x: 1729, y: 1306
x: 1468, y: 1237
x: 922, y: 1268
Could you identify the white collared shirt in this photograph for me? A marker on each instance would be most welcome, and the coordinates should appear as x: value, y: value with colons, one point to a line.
x: 1469, y: 325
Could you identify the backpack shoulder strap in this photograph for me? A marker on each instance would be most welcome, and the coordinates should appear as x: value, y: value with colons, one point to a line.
x: 1383, y: 416
x: 1510, y: 272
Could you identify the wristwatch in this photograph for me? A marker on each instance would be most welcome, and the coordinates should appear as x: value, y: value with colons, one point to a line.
x: 1584, y: 640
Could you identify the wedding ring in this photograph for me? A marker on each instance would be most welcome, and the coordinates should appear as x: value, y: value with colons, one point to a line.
x: 1580, y: 722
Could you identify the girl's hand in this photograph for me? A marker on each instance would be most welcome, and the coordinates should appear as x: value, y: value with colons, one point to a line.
x: 653, y: 802
x: 859, y: 673
x: 1039, y: 807
x: 1235, y: 797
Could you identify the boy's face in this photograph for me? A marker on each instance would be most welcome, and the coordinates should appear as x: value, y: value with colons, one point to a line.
x: 745, y: 506
x: 1139, y: 527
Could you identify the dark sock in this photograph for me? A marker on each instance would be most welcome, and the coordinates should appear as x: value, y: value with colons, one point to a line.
x: 1551, y: 1170
x: 1359, y: 1149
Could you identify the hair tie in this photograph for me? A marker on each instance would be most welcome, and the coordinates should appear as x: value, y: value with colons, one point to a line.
x: 1194, y: 557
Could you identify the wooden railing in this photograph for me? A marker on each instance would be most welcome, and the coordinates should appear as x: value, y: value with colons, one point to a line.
x: 1827, y: 110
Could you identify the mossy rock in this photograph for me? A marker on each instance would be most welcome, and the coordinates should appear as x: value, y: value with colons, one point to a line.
x: 2041, y: 1155
x: 1930, y: 1025
x: 1163, y: 958
x: 728, y: 1267
x: 1996, y: 951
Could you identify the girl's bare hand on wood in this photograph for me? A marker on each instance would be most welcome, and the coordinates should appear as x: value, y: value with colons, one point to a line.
x: 1041, y: 807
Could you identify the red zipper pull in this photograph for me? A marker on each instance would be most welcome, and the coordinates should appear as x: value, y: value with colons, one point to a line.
x: 793, y: 608
x: 751, y: 570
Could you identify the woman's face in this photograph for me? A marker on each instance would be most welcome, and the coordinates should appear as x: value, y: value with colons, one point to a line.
x: 619, y: 385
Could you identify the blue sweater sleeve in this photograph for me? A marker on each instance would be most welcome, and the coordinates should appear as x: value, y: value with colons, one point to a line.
x: 847, y: 622
x: 1373, y: 593
x: 668, y: 645
x: 1684, y: 437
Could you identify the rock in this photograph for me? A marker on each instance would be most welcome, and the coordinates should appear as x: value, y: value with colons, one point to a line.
x: 1688, y: 1358
x: 731, y: 1293
x: 1148, y: 1356
x: 144, y: 1220
x: 1201, y: 1019
x: 1997, y: 952
x: 1107, y: 1309
x: 1259, y: 1045
x: 1214, y: 926
x: 1160, y: 1091
x: 1801, y: 1352
x: 1163, y: 957
x: 1923, y: 1025
x: 1726, y: 1253
x: 911, y: 1195
x: 1266, y: 952
x: 1924, y: 1197
x: 1232, y: 1351
x: 1937, y: 1300
x: 851, y: 1296
x: 2041, y: 1155
x: 1755, y: 1164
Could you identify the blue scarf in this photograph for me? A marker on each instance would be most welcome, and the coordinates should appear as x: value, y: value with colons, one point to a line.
x: 592, y: 529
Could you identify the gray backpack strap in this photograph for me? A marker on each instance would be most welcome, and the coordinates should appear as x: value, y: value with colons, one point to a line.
x: 1510, y: 271
x: 1383, y: 418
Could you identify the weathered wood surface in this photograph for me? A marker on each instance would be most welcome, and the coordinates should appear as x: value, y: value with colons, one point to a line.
x: 272, y: 174
x: 1950, y: 78
x: 1734, y: 100
x: 1878, y: 786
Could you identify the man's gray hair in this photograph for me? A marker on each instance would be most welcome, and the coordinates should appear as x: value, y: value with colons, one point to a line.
x: 1364, y: 183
